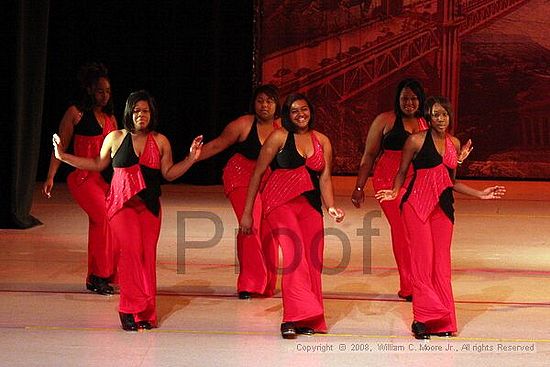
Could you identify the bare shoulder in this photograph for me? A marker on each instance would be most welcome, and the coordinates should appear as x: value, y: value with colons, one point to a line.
x: 161, y: 139
x: 242, y: 122
x: 455, y: 141
x: 387, y: 117
x: 323, y: 139
x: 418, y: 137
x: 74, y: 114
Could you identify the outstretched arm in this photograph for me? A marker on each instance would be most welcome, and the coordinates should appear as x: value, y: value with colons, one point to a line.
x: 171, y: 171
x: 229, y: 136
x: 489, y: 193
x: 98, y: 163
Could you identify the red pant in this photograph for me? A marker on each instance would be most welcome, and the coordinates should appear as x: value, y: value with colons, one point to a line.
x: 135, y: 230
x: 90, y: 196
x: 400, y: 243
x: 298, y: 228
x: 257, y: 252
x: 430, y: 244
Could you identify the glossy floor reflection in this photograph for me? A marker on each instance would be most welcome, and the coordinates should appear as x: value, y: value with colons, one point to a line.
x: 501, y: 269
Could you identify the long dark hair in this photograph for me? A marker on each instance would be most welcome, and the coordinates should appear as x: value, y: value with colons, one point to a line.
x: 272, y: 92
x: 444, y: 102
x: 285, y: 112
x: 417, y: 89
x: 133, y: 99
x: 88, y: 77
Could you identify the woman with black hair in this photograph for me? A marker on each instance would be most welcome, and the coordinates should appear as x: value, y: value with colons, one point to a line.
x: 300, y: 183
x: 86, y: 124
x: 257, y: 252
x: 428, y: 215
x: 140, y: 158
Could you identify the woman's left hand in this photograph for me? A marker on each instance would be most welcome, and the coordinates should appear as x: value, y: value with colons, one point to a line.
x: 465, y: 151
x: 336, y: 213
x: 493, y: 192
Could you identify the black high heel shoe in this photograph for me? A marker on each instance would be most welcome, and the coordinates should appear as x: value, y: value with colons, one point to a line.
x: 99, y: 285
x: 127, y: 321
x: 245, y: 295
x: 444, y: 334
x: 302, y: 330
x: 144, y: 325
x: 288, y: 330
x: 419, y: 330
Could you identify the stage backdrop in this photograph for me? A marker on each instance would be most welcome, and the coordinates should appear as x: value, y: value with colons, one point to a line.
x: 489, y: 57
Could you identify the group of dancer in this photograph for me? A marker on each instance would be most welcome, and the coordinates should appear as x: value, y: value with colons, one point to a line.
x: 279, y: 184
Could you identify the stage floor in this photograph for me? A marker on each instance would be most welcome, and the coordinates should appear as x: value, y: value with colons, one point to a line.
x: 501, y: 271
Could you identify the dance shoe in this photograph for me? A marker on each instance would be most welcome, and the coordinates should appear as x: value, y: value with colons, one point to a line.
x: 302, y: 330
x: 288, y: 330
x: 144, y: 325
x: 127, y: 321
x: 99, y: 285
x: 245, y: 295
x: 444, y: 334
x: 419, y: 330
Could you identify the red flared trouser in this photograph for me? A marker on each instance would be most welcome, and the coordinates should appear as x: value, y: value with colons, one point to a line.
x: 384, y: 174
x: 298, y: 228
x: 136, y: 232
x: 257, y: 252
x: 90, y: 196
x: 400, y: 243
x: 430, y: 243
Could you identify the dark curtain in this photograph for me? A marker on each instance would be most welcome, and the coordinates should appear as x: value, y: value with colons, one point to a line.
x: 29, y: 29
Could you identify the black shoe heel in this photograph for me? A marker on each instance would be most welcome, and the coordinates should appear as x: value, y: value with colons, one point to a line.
x: 288, y: 330
x: 419, y: 330
x: 305, y: 331
x: 127, y: 321
x: 99, y: 285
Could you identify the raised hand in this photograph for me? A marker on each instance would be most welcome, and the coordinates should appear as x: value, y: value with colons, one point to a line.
x: 57, y: 147
x: 196, y: 148
x: 465, y: 151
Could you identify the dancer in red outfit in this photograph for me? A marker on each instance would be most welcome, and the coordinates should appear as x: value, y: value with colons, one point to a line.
x: 140, y: 157
x: 257, y: 252
x: 86, y: 124
x: 428, y: 213
x: 385, y: 139
x: 301, y: 160
x: 383, y: 145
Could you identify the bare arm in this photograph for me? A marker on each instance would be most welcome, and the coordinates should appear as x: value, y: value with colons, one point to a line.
x: 66, y: 130
x: 325, y: 181
x: 411, y: 147
x: 373, y: 143
x: 270, y: 148
x: 98, y: 163
x: 229, y: 136
x: 171, y: 171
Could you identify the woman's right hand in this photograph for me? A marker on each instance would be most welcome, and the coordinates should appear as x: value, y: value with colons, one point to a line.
x: 384, y: 195
x: 245, y: 226
x: 357, y: 197
x: 47, y: 187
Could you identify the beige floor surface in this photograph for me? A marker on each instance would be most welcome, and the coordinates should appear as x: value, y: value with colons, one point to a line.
x: 501, y: 270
